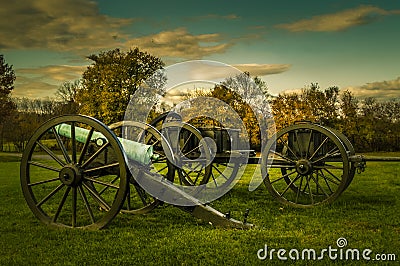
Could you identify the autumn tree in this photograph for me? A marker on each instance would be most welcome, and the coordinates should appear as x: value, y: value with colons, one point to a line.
x: 7, y: 78
x: 350, y: 124
x: 311, y: 104
x: 247, y: 99
x: 67, y: 95
x: 111, y: 80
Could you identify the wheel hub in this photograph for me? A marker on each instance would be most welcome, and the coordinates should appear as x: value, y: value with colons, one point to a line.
x: 304, y: 167
x: 71, y: 175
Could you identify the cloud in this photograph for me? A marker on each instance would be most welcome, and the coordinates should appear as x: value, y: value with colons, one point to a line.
x: 179, y: 43
x: 339, y: 21
x: 77, y: 26
x: 44, y: 81
x: 263, y: 69
x: 74, y: 25
x: 381, y: 90
x: 53, y: 72
x: 33, y: 88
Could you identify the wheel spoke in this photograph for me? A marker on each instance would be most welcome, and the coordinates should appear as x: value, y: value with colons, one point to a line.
x: 326, y: 182
x: 192, y: 150
x: 73, y: 142
x: 94, y: 156
x: 103, y: 167
x: 306, y: 186
x: 319, y: 147
x: 282, y: 166
x: 142, y: 194
x: 86, y: 202
x: 61, y: 205
x: 61, y: 145
x: 109, y: 185
x: 298, y: 143
x: 74, y: 198
x: 299, y: 189
x: 41, y: 165
x: 106, y: 187
x: 287, y: 146
x: 318, y: 185
x: 331, y: 153
x: 154, y: 144
x: 160, y: 170
x: 49, y: 152
x: 97, y: 197
x: 221, y: 173
x: 187, y: 177
x: 187, y: 141
x: 86, y: 146
x: 128, y: 198
x: 289, y: 185
x: 332, y: 175
x: 199, y: 173
x: 51, y: 194
x: 309, y: 190
x: 282, y: 177
x: 214, y: 179
x: 283, y: 156
x: 43, y: 182
x: 309, y: 142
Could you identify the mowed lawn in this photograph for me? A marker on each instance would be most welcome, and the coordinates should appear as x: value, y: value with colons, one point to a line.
x: 367, y: 216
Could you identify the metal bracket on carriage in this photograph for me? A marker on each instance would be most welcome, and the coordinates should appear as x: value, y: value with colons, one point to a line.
x: 219, y: 219
x: 359, y: 161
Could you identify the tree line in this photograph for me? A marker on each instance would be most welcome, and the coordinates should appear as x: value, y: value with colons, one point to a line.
x: 107, y: 84
x: 371, y: 125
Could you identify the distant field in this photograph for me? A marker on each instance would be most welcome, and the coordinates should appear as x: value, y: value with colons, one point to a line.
x: 367, y: 215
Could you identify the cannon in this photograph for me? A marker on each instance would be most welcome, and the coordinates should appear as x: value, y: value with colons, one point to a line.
x: 76, y: 172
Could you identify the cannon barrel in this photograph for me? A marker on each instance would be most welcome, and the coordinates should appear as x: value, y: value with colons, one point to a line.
x: 381, y: 159
x: 136, y: 151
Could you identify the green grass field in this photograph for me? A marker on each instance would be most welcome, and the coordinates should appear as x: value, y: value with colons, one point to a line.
x: 367, y: 215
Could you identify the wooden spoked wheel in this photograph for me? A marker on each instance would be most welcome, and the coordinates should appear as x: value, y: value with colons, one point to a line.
x: 73, y: 173
x: 192, y: 156
x: 138, y: 201
x: 350, y: 152
x: 191, y: 168
x: 305, y: 165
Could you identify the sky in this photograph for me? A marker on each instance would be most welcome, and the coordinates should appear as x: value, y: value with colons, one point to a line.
x: 354, y: 45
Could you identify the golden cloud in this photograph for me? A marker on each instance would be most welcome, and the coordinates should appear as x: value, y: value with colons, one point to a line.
x: 338, y: 21
x: 44, y: 81
x: 179, y: 43
x: 381, y: 90
x: 33, y: 88
x: 54, y: 72
x: 77, y: 26
x: 74, y: 25
x: 263, y: 69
